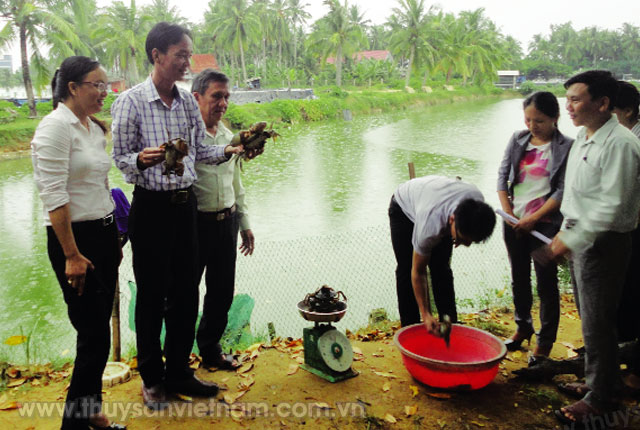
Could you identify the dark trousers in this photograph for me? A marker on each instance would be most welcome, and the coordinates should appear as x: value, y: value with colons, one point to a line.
x: 89, y: 313
x: 598, y: 275
x: 519, y: 248
x: 628, y: 321
x: 439, y: 269
x: 218, y: 250
x: 163, y: 241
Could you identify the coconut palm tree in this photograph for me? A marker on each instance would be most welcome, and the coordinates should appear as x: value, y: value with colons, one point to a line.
x: 413, y: 34
x: 121, y: 31
x: 298, y: 16
x: 161, y: 10
x: 37, y: 23
x: 236, y: 25
x: 335, y: 34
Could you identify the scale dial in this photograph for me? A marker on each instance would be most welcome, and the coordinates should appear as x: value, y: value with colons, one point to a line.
x: 336, y: 351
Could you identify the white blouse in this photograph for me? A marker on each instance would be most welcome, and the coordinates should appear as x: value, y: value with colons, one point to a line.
x: 70, y: 165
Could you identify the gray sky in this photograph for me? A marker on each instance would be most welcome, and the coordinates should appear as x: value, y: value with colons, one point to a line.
x: 520, y: 19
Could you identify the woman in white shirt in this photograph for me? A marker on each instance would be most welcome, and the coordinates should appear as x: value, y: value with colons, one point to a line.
x: 530, y: 187
x: 70, y: 167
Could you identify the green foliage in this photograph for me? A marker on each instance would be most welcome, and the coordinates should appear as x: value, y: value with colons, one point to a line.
x: 8, y: 112
x: 108, y: 101
x: 17, y: 134
x: 43, y: 108
x: 527, y: 88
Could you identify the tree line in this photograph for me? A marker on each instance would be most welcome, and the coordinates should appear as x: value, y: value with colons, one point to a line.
x: 274, y: 39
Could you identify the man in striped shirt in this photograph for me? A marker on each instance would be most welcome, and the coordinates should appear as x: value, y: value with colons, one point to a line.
x: 162, y: 219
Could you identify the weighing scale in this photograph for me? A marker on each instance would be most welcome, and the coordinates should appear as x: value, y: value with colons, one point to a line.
x: 327, y: 352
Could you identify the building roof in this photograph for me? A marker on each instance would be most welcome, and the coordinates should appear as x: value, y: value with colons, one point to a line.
x: 380, y: 55
x: 199, y: 62
x: 508, y: 73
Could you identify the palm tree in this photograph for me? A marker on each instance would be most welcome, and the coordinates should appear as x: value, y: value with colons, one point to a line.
x: 161, y: 10
x: 413, y: 33
x: 336, y: 34
x: 297, y: 16
x: 121, y: 31
x: 236, y: 25
x: 37, y: 23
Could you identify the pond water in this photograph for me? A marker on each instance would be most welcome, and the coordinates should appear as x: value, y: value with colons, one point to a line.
x: 318, y: 201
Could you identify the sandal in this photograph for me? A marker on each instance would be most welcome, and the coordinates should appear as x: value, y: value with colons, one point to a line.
x: 223, y: 362
x: 582, y: 412
x: 577, y: 390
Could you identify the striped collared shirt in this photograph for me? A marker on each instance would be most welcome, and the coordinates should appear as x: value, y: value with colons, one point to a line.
x: 141, y: 119
x: 636, y: 129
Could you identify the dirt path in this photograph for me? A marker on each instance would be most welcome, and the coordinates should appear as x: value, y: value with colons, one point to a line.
x: 281, y: 397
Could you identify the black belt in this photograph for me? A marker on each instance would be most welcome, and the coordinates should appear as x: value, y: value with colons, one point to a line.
x: 104, y: 221
x: 219, y: 215
x: 176, y: 197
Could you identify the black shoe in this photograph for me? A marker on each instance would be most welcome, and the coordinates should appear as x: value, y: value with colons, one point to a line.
x: 155, y: 398
x: 193, y: 386
x: 514, y: 343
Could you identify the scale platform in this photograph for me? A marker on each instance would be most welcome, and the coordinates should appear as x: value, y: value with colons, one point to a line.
x: 327, y: 352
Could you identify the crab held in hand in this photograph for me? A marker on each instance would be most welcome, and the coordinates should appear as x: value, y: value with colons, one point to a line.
x: 174, y: 151
x: 254, y: 138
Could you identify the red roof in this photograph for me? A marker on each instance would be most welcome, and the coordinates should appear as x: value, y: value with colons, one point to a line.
x: 367, y: 55
x: 199, y: 62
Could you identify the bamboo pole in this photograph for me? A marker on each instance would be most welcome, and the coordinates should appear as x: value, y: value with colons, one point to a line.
x: 115, y: 324
x: 412, y: 171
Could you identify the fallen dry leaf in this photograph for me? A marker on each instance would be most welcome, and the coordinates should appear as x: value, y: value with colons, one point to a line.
x: 321, y: 405
x: 414, y: 390
x: 254, y: 355
x: 571, y: 353
x: 386, y: 375
x: 476, y: 423
x: 293, y: 368
x: 16, y: 383
x: 440, y: 396
x: 231, y: 398
x: 441, y: 423
x: 254, y: 347
x: 390, y: 419
x: 12, y: 372
x: 8, y: 406
x: 299, y: 360
x: 517, y: 355
x: 245, y: 368
x: 410, y: 410
x: 377, y: 354
x: 36, y: 382
x: 245, y: 384
x: 357, y: 350
x: 184, y: 398
x: 386, y: 387
x: 482, y: 417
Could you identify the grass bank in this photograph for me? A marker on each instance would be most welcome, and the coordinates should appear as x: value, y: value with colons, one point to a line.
x: 16, y: 134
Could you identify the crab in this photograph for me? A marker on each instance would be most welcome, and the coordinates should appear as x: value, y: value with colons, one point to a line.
x: 254, y: 138
x: 174, y: 151
x: 325, y: 299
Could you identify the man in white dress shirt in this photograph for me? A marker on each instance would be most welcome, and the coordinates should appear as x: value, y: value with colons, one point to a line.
x: 600, y: 207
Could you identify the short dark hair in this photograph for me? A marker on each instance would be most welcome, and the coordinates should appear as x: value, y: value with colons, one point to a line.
x: 545, y: 102
x: 475, y: 219
x: 72, y: 69
x: 207, y: 76
x: 628, y: 97
x: 600, y: 83
x: 162, y: 35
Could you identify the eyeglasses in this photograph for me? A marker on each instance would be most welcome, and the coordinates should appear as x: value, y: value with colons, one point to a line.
x: 100, y: 86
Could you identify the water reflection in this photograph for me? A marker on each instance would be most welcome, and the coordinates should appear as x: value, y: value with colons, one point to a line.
x: 316, y: 180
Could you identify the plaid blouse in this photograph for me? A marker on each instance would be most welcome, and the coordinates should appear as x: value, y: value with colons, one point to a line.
x: 141, y: 119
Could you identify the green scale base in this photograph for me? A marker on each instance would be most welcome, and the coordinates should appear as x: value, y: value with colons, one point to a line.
x: 313, y: 361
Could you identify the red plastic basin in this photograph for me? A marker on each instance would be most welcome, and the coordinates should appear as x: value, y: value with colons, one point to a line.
x: 470, y: 362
